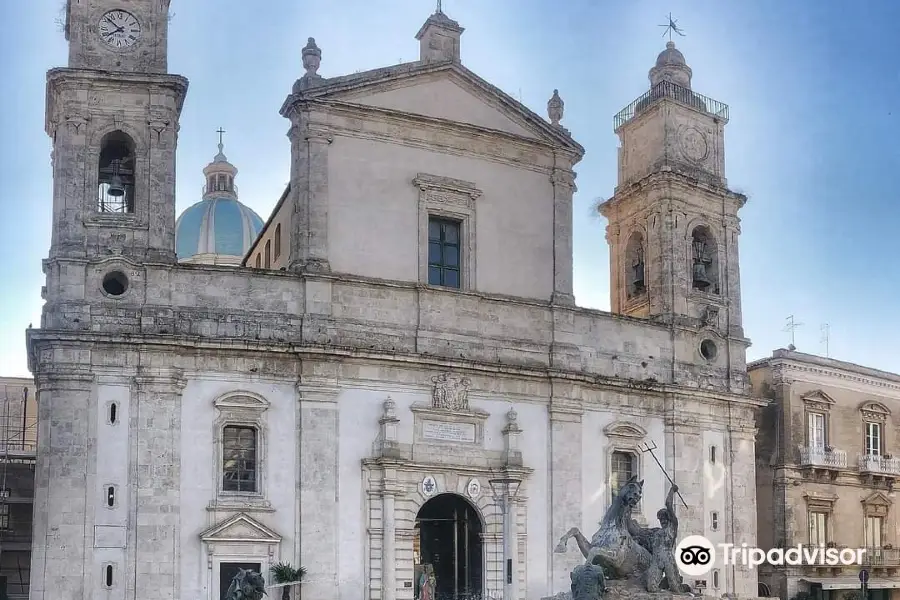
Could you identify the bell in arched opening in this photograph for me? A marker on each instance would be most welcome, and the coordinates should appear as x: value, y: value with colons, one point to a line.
x: 116, y: 184
x: 701, y: 261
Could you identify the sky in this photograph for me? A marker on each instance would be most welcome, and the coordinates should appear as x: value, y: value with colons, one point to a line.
x: 813, y: 89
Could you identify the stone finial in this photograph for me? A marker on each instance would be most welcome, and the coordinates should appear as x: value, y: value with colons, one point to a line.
x: 511, y: 436
x: 312, y: 58
x: 389, y: 423
x: 555, y: 108
x: 389, y: 408
x: 512, y: 416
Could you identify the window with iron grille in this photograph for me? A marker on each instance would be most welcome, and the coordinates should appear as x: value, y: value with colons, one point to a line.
x: 444, y: 252
x: 239, y: 453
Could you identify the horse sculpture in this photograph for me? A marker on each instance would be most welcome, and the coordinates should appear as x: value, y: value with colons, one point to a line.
x: 246, y: 585
x: 614, y: 547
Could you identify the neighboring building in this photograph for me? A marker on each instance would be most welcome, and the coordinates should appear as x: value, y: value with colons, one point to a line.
x: 18, y: 445
x: 218, y: 230
x: 828, y: 457
x: 417, y: 366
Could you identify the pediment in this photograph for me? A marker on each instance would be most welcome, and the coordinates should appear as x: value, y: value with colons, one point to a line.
x: 625, y: 429
x: 446, y: 91
x: 874, y: 411
x: 877, y: 499
x: 818, y: 399
x: 240, y: 528
x: 241, y: 399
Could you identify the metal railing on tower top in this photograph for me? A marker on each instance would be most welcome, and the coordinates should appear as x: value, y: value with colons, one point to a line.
x: 671, y: 91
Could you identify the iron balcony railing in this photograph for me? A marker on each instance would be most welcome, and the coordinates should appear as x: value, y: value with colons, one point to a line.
x: 220, y: 188
x: 871, y: 463
x: 671, y: 91
x: 881, y: 557
x: 823, y: 456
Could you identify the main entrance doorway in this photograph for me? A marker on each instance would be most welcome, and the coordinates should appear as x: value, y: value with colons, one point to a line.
x: 448, y: 538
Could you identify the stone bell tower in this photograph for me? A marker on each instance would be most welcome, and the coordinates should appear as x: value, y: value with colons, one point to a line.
x: 673, y: 223
x: 113, y: 117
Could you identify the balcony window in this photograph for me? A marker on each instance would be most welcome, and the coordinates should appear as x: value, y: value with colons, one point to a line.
x: 873, y: 439
x: 818, y: 528
x: 444, y: 252
x: 816, y: 430
x: 874, y: 527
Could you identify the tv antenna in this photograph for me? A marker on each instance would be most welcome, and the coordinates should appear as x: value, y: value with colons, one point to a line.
x: 671, y: 27
x: 826, y: 331
x: 791, y: 327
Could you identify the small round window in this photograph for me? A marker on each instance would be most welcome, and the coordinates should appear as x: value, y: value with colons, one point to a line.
x: 708, y: 349
x: 115, y: 283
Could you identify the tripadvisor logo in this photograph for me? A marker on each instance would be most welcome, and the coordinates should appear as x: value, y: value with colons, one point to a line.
x: 695, y: 556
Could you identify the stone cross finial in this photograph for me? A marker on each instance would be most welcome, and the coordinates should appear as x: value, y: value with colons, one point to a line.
x: 312, y: 58
x: 555, y: 108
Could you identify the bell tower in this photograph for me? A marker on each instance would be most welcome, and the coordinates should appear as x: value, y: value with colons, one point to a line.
x: 112, y: 115
x: 673, y: 222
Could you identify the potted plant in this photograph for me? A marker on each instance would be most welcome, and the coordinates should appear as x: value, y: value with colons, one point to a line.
x: 286, y: 573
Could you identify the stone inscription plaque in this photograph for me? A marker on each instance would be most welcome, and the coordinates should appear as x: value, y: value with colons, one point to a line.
x: 448, y: 432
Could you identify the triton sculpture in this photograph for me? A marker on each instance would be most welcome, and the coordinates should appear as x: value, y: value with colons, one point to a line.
x: 246, y: 585
x: 626, y: 553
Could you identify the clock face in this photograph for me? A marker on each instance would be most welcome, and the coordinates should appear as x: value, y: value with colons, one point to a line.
x: 119, y: 29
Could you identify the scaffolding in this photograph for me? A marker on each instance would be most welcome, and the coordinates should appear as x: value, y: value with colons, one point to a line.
x: 18, y: 448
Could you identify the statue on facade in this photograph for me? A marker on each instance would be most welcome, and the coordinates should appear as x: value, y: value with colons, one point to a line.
x: 427, y: 583
x: 246, y: 585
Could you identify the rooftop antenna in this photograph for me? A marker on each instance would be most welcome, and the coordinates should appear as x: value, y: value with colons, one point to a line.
x: 672, y: 27
x: 826, y: 330
x: 791, y: 327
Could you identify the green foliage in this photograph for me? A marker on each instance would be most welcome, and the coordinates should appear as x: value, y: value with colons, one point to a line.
x: 286, y: 573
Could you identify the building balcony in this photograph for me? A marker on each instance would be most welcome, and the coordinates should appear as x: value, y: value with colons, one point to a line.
x: 882, y: 557
x: 879, y: 465
x: 823, y: 457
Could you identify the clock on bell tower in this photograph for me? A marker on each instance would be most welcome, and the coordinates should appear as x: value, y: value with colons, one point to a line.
x: 118, y: 35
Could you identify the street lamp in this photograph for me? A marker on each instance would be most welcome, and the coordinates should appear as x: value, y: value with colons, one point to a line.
x: 505, y: 489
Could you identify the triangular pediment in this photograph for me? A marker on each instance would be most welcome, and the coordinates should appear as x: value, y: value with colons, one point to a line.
x: 446, y: 91
x: 240, y: 528
x: 817, y: 396
x: 877, y: 499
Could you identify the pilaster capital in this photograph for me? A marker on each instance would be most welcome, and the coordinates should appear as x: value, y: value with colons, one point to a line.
x: 62, y: 380
x: 166, y: 380
x: 317, y: 389
x: 565, y: 179
x: 318, y: 134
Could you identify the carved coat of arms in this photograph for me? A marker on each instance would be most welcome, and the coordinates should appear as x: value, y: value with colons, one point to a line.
x: 451, y: 392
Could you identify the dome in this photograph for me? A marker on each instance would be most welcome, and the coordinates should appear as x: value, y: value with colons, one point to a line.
x: 671, y: 56
x: 218, y: 230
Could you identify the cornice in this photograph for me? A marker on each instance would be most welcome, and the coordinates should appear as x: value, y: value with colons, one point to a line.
x: 668, y: 180
x: 788, y: 367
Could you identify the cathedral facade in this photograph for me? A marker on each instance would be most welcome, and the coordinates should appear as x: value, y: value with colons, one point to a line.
x: 395, y: 379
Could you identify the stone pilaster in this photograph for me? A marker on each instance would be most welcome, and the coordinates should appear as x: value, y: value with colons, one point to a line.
x: 155, y: 533
x: 309, y: 192
x: 389, y: 546
x: 318, y: 497
x: 563, y: 181
x: 565, y: 480
x: 163, y: 136
x: 61, y: 558
x: 742, y: 503
x: 69, y: 133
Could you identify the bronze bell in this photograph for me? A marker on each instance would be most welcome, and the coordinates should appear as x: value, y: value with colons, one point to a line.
x: 701, y: 280
x: 638, y: 278
x: 116, y: 185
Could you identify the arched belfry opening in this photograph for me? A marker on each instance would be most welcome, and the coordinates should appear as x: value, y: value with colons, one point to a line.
x: 449, y: 539
x: 705, y: 263
x: 116, y: 179
x: 634, y: 265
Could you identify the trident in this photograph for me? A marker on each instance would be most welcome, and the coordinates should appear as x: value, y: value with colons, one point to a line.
x: 646, y: 447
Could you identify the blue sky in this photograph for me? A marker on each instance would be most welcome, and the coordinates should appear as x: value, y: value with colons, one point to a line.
x: 814, y: 91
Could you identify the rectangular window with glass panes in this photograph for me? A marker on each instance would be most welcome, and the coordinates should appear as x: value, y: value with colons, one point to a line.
x: 444, y: 252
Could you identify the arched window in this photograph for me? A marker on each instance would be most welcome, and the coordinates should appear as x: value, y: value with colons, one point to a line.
x: 268, y: 254
x: 277, y: 241
x: 634, y: 265
x: 115, y: 174
x: 258, y: 260
x: 705, y: 261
